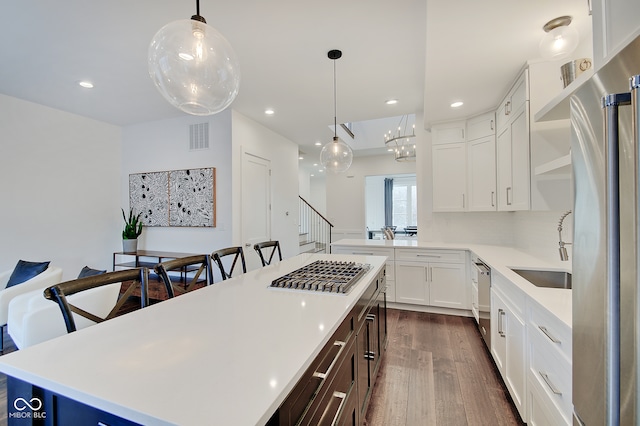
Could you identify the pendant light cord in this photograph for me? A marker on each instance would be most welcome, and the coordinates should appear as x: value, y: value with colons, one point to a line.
x: 198, y: 7
x: 335, y: 102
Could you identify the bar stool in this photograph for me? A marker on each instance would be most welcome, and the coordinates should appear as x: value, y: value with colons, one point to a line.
x: 219, y: 254
x: 99, y: 302
x: 191, y: 265
x: 266, y: 245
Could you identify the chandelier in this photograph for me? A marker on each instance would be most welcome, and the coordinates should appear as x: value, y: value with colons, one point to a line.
x: 399, y: 143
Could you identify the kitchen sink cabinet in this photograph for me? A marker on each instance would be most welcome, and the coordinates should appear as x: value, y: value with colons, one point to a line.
x: 508, y: 338
x: 432, y: 278
x: 549, y: 372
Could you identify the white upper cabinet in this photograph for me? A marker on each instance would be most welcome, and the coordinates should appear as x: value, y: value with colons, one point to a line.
x: 481, y: 162
x: 615, y: 24
x: 449, y: 163
x: 512, y: 148
x: 481, y: 126
x: 451, y: 132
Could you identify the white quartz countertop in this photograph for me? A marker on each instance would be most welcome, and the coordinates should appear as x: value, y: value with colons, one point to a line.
x: 227, y: 354
x: 501, y: 260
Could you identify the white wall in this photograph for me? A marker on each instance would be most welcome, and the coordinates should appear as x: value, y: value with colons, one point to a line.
x: 251, y: 137
x: 60, y: 182
x: 164, y: 145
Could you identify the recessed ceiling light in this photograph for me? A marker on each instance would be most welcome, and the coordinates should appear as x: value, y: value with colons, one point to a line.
x: 392, y: 102
x: 457, y: 104
x: 321, y: 170
x: 269, y: 111
x: 312, y: 175
x: 315, y: 164
x: 86, y: 84
x: 301, y: 158
x: 318, y: 144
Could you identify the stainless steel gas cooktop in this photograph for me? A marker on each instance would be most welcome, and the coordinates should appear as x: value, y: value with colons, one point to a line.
x: 324, y: 276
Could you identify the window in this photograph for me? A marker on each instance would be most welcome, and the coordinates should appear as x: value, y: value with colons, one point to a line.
x: 405, y: 205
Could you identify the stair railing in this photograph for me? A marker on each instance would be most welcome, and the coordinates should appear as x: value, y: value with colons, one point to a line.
x: 315, y: 226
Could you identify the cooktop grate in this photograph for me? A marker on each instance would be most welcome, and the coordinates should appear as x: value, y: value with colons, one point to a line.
x: 324, y: 276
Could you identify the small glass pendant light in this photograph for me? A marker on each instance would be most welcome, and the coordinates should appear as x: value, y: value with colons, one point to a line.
x: 193, y: 66
x: 560, y: 39
x: 336, y: 156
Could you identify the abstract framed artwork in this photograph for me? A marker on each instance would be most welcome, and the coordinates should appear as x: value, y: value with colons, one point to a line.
x: 191, y: 197
x: 181, y: 198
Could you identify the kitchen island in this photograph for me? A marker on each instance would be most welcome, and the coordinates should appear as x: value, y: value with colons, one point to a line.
x: 228, y: 354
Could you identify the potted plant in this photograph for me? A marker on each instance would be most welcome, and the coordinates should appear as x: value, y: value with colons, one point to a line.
x: 131, y: 232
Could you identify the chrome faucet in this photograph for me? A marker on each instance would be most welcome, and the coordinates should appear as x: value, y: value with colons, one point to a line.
x: 564, y: 256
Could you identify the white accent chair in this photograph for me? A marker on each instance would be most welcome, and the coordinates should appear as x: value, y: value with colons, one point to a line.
x: 51, y: 276
x: 34, y: 319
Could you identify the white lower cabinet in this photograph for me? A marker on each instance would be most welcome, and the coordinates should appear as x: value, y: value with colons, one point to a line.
x: 432, y: 278
x: 508, y: 338
x: 549, y: 375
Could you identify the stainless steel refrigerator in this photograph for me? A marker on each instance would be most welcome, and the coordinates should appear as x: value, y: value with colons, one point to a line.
x: 605, y: 154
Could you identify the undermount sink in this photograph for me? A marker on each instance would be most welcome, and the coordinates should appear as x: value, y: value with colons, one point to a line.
x: 542, y: 278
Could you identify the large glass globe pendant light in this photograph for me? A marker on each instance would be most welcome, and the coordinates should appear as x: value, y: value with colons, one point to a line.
x: 336, y: 156
x: 193, y: 66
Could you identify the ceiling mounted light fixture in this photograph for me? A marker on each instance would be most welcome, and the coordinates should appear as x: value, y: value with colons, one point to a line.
x: 399, y: 143
x: 193, y: 66
x: 336, y: 156
x: 560, y: 39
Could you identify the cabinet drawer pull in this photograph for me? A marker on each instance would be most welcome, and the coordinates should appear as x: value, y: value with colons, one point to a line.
x: 549, y: 335
x: 509, y: 189
x: 493, y: 203
x: 333, y: 363
x: 370, y: 355
x: 547, y: 380
x: 370, y: 317
x: 342, y: 397
x: 501, y: 313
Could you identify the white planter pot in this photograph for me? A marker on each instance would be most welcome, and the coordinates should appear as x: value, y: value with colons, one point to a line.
x: 130, y: 246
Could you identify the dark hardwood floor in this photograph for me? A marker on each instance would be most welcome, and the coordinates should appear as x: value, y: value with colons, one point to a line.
x: 437, y: 371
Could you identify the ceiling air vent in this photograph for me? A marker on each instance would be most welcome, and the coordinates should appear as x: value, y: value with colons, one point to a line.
x: 198, y: 136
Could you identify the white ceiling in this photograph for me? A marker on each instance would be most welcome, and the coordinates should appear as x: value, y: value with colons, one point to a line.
x: 424, y: 53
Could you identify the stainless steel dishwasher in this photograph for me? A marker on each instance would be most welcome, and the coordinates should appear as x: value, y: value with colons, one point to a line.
x: 482, y: 274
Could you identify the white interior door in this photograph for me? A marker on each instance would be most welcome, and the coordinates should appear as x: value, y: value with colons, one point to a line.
x: 256, y: 205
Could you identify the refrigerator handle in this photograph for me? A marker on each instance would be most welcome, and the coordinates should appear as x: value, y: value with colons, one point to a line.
x: 611, y: 103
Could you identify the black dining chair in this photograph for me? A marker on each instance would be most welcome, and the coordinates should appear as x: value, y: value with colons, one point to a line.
x: 270, y: 248
x: 194, y: 272
x: 230, y: 251
x: 132, y: 278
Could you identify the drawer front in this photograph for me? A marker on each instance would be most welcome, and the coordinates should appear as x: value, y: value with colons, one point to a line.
x: 552, y: 373
x: 364, y: 251
x: 541, y: 411
x: 554, y: 333
x: 430, y: 255
x: 515, y: 298
x: 315, y: 379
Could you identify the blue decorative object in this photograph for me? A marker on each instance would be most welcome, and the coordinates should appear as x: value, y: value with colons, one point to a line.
x: 89, y: 272
x: 26, y: 270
